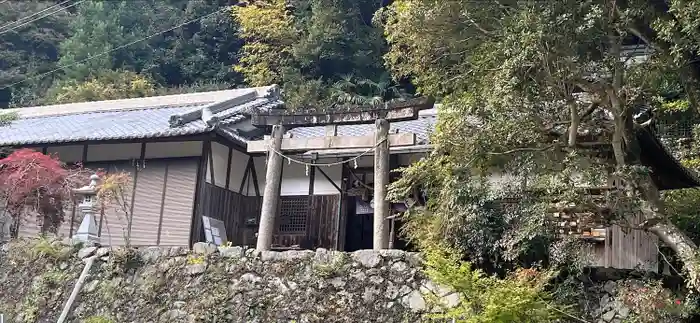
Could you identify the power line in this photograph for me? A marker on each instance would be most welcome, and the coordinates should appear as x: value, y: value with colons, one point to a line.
x: 39, y: 18
x: 26, y: 17
x: 113, y: 50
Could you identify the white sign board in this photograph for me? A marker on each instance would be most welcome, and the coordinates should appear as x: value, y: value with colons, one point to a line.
x: 214, y: 230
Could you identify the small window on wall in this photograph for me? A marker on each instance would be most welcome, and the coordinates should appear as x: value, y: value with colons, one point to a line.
x: 293, y: 210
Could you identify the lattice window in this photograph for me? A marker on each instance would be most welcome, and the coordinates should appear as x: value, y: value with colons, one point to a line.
x: 293, y: 212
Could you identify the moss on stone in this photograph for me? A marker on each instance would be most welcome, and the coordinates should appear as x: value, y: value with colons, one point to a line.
x: 98, y: 319
x: 328, y: 268
x: 195, y: 259
x: 311, y: 287
x: 124, y: 261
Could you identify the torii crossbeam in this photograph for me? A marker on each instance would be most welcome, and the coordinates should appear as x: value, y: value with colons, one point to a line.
x: 281, y: 120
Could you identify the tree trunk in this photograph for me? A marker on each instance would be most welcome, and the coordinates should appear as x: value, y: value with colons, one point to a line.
x: 575, y: 123
x: 684, y: 248
x: 672, y: 236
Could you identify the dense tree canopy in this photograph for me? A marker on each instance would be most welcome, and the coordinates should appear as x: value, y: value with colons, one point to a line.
x: 324, y: 52
x: 90, y: 40
x: 30, y: 49
x: 549, y: 94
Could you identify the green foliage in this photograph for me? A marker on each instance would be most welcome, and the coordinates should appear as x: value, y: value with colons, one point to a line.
x: 651, y: 302
x: 684, y: 208
x: 466, y: 212
x: 30, y: 49
x: 54, y: 279
x: 675, y: 106
x: 520, y: 297
x: 269, y: 34
x: 683, y: 205
x: 96, y: 29
x: 331, y: 267
x: 123, y: 261
x: 365, y: 92
x: 197, y: 55
x: 312, y: 46
x: 45, y: 248
x: 89, y: 35
x: 195, y: 260
x: 7, y: 118
x: 39, y: 294
x: 507, y: 73
x: 200, y: 52
x: 98, y: 319
x: 109, y: 85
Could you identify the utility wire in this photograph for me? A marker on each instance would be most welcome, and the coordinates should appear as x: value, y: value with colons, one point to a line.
x: 26, y: 17
x: 32, y: 15
x: 113, y: 50
x: 39, y: 18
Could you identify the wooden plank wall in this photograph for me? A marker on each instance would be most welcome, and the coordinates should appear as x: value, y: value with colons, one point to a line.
x: 627, y: 249
x: 322, y: 221
x: 234, y: 209
x: 161, y: 213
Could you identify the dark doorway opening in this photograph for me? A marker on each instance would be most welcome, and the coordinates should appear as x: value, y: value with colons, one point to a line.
x: 359, y: 229
x: 358, y: 234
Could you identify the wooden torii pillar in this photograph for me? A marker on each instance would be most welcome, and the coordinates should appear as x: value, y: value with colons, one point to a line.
x: 277, y: 144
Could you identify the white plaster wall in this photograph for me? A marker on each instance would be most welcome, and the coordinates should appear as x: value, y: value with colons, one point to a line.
x: 219, y: 155
x: 260, y: 169
x: 364, y: 161
x: 239, y: 161
x: 296, y: 182
x: 108, y: 152
x: 173, y: 149
x: 67, y: 154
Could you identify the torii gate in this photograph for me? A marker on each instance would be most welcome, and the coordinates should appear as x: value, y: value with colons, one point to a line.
x: 276, y: 144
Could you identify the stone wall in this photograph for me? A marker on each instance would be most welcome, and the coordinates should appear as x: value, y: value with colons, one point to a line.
x: 606, y: 302
x: 211, y: 284
x: 5, y: 225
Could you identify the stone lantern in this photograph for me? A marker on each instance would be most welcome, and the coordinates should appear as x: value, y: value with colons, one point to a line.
x: 87, y: 232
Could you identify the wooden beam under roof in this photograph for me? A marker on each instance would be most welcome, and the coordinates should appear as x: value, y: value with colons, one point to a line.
x: 392, y: 112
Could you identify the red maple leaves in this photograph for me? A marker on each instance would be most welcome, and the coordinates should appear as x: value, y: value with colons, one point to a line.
x: 32, y: 181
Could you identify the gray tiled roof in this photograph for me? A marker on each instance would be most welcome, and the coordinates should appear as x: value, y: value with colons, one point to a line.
x: 135, y: 123
x: 170, y: 116
x: 422, y: 127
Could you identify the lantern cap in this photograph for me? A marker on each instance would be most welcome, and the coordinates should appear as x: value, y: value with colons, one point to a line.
x: 90, y: 188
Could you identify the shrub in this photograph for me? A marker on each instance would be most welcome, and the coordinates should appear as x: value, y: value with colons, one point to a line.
x: 114, y: 191
x: 30, y: 180
x: 520, y: 297
x: 650, y: 302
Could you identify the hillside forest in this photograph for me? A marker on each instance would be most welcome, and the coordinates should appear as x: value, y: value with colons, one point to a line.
x: 554, y: 95
x: 95, y: 50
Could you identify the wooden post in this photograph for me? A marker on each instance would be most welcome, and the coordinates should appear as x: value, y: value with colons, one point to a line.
x: 381, y: 180
x: 271, y: 194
